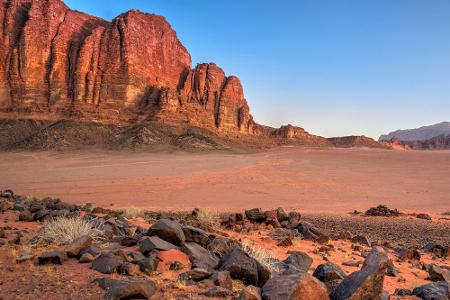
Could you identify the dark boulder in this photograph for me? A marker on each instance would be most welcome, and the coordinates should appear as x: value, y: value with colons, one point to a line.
x: 241, y: 266
x: 223, y: 279
x: 250, y: 293
x: 167, y: 230
x: 366, y: 283
x: 438, y: 274
x: 433, y: 291
x: 25, y: 216
x: 218, y: 292
x: 361, y: 239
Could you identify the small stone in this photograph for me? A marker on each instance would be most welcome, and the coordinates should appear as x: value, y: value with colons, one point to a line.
x: 361, y: 239
x: 218, y: 292
x: 148, y: 244
x: 128, y: 269
x: 25, y: 257
x: 167, y: 230
x: 25, y: 216
x: 223, y: 279
x: 107, y: 263
x: 119, y: 290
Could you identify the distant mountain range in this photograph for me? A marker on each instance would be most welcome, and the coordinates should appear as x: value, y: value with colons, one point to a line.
x: 419, y: 134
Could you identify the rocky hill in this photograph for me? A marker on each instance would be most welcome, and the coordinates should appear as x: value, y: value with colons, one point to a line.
x: 66, y: 74
x: 441, y: 142
x: 419, y: 134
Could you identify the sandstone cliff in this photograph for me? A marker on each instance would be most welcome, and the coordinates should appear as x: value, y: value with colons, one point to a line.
x: 59, y: 63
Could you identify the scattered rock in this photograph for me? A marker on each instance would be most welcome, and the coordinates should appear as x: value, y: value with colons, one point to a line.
x: 438, y: 274
x: 91, y: 249
x: 330, y: 274
x: 75, y: 248
x: 223, y: 279
x: 293, y: 219
x: 298, y: 286
x: 107, y: 263
x: 361, y: 239
x: 168, y: 230
x: 250, y: 293
x: 382, y: 210
x: 25, y: 257
x: 128, y: 269
x: 128, y: 241
x: 200, y: 257
x: 86, y: 258
x: 310, y: 232
x: 410, y: 254
x: 195, y: 274
x: 149, y: 264
x: 255, y: 215
x: 218, y: 292
x: 241, y: 266
x: 282, y: 215
x: 2, y: 233
x: 424, y: 217
x: 25, y: 216
x: 196, y: 235
x: 148, y: 244
x: 120, y: 290
x: 403, y: 292
x: 300, y: 260
x: 366, y: 283
x: 433, y: 291
x: 52, y: 257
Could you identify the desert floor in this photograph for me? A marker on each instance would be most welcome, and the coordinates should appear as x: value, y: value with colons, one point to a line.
x: 309, y: 180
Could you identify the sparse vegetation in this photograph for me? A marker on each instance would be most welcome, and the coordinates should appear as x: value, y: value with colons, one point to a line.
x: 133, y: 212
x: 208, y: 218
x: 63, y: 230
x: 263, y: 256
x: 446, y: 213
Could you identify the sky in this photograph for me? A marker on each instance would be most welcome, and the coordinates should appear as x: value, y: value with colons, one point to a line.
x: 335, y: 68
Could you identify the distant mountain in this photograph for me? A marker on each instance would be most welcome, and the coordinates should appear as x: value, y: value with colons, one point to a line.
x: 419, y: 134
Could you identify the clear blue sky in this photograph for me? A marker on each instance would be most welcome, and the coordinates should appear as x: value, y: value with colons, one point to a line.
x: 333, y: 67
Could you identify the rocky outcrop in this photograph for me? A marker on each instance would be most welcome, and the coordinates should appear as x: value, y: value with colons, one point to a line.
x: 419, y: 134
x: 59, y: 63
x: 355, y: 141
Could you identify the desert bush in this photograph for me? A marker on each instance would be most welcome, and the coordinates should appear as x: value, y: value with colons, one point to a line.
x: 263, y: 256
x: 208, y: 218
x: 64, y: 230
x: 133, y: 212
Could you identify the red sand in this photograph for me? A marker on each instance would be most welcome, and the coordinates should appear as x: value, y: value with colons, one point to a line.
x: 319, y: 181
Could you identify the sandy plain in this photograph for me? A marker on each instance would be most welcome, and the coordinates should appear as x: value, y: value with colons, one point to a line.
x: 331, y: 181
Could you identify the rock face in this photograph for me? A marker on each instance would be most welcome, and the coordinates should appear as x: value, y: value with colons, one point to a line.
x: 59, y: 63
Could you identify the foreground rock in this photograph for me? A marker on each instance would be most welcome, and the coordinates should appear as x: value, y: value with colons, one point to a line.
x: 107, y: 263
x: 366, y: 283
x: 433, y: 291
x: 120, y: 290
x: 52, y: 257
x: 75, y: 248
x: 294, y: 287
x: 330, y: 274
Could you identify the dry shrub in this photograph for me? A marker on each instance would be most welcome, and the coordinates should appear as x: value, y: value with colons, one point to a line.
x: 208, y: 218
x: 64, y: 230
x: 263, y: 256
x: 133, y: 212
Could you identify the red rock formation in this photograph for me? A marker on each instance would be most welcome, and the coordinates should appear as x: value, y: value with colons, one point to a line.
x: 59, y: 63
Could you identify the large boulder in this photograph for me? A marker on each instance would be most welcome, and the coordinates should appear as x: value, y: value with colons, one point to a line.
x: 168, y: 230
x: 366, y: 283
x: 150, y: 263
x: 330, y: 274
x: 200, y: 257
x: 250, y: 293
x: 300, y: 286
x: 433, y: 291
x: 241, y: 266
